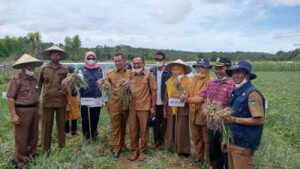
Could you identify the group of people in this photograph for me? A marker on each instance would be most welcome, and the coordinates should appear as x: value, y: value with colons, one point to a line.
x: 163, y: 97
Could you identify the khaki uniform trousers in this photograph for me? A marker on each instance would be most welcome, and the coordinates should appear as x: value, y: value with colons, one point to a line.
x: 47, y: 125
x: 26, y: 135
x: 200, y: 139
x: 138, y: 123
x: 239, y: 157
x: 118, y: 121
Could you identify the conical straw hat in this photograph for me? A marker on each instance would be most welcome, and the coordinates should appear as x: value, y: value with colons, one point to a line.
x: 63, y: 54
x: 187, y: 69
x: 26, y: 59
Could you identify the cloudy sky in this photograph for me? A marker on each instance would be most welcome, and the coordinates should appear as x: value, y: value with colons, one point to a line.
x: 192, y: 25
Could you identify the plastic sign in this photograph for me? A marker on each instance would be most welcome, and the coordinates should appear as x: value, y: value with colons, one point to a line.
x: 4, y: 95
x: 91, y: 102
x: 175, y: 102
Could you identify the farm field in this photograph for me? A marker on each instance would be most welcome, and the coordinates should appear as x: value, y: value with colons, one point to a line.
x: 280, y: 148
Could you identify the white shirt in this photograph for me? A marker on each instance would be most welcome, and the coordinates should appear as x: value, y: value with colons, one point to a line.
x: 158, y: 81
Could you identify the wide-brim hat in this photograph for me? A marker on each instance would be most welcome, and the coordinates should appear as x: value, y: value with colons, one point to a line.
x: 26, y: 59
x: 187, y: 69
x: 245, y: 65
x: 202, y: 63
x: 47, y: 52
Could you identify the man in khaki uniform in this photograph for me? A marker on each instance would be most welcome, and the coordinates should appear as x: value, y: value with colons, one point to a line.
x: 143, y: 99
x: 118, y: 110
x: 23, y: 103
x: 198, y: 122
x: 56, y: 98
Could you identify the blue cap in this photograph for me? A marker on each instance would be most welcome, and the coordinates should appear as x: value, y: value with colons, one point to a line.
x: 243, y: 64
x: 202, y: 63
x: 222, y: 61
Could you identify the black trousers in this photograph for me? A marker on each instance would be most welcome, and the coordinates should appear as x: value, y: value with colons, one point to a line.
x: 159, y: 129
x: 218, y: 159
x: 94, y: 118
x: 73, y: 126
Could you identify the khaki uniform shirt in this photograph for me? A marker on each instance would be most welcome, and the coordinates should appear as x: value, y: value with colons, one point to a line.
x: 115, y: 102
x: 54, y: 93
x: 140, y: 90
x: 23, y: 89
x: 195, y: 87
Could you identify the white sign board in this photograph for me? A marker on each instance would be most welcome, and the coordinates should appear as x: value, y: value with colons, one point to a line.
x: 175, y: 102
x: 91, y: 102
x: 4, y: 95
x: 266, y: 104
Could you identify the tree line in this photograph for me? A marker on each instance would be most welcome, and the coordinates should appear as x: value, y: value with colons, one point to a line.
x: 12, y: 48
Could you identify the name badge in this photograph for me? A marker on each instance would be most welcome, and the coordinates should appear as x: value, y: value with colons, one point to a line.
x: 4, y: 95
x: 175, y: 102
x: 91, y: 102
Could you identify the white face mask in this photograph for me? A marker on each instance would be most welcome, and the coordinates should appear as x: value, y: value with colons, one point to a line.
x: 138, y: 70
x: 29, y: 73
x: 159, y: 64
x: 91, y: 62
x: 200, y: 75
x: 241, y: 84
x: 179, y: 77
x: 222, y: 79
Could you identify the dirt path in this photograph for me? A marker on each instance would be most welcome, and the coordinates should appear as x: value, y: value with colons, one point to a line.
x: 126, y: 164
x: 171, y: 162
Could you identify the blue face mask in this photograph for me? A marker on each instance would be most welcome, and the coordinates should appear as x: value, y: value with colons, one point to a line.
x: 222, y: 79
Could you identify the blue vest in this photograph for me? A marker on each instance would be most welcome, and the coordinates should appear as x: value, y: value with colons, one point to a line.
x: 244, y: 136
x: 165, y: 77
x: 91, y: 76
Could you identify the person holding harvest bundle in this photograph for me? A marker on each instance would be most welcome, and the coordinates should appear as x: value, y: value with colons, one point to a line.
x: 91, y: 97
x: 176, y: 112
x: 56, y: 97
x: 198, y: 122
x: 217, y: 91
x: 118, y: 109
x: 247, y: 120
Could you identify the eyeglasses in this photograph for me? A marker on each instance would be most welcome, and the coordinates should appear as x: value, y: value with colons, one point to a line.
x: 90, y: 58
x: 138, y: 63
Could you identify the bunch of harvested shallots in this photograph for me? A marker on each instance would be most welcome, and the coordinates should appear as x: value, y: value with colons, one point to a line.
x: 105, y: 86
x: 126, y: 93
x: 215, y: 115
x: 74, y: 79
x: 179, y: 88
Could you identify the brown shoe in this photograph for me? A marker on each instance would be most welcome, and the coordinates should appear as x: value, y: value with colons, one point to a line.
x: 133, y: 156
x: 142, y: 157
